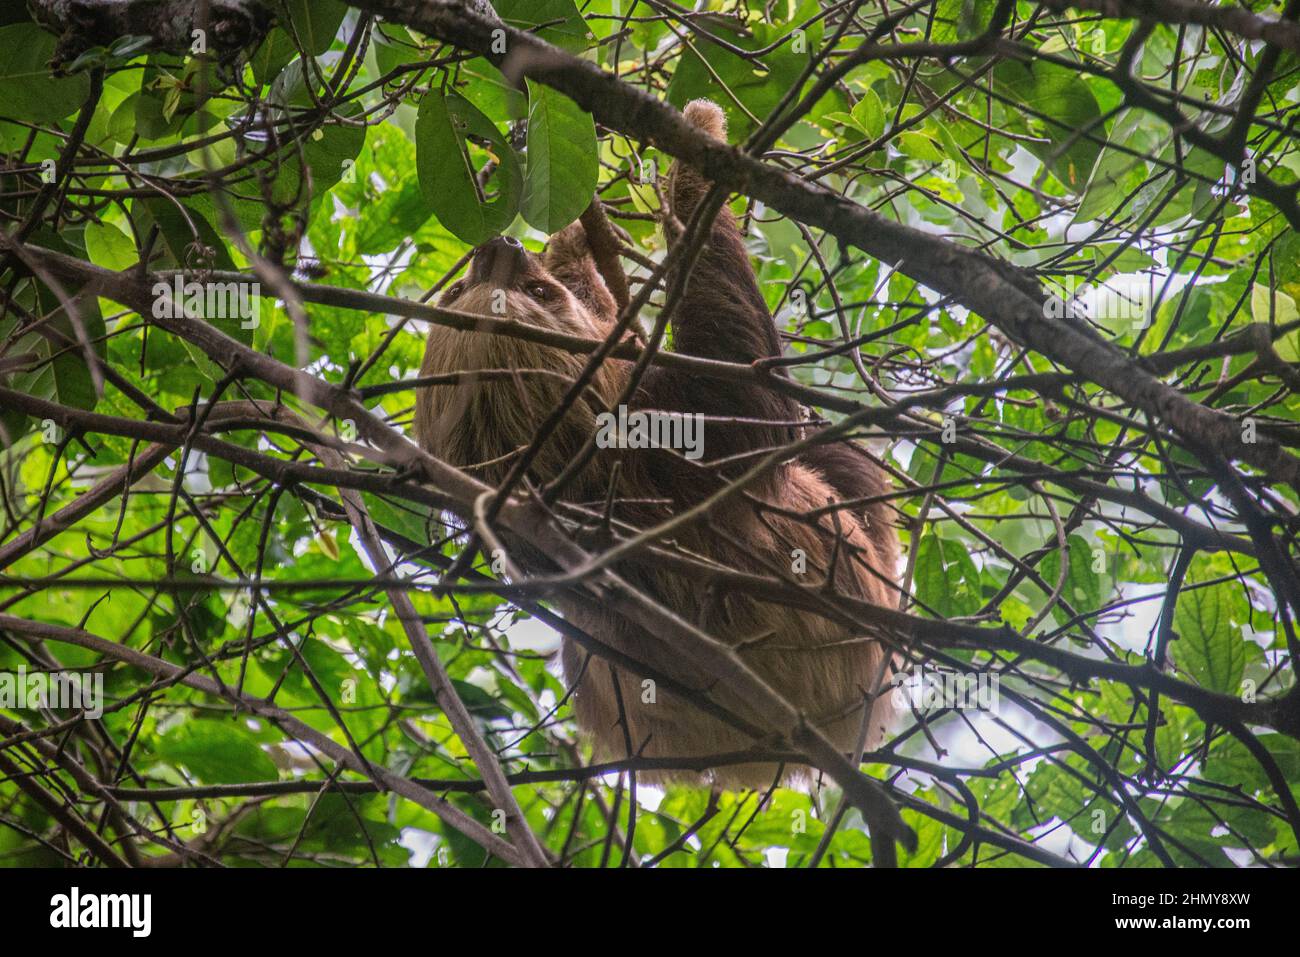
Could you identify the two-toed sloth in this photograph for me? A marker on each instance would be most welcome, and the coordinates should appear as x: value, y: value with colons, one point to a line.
x: 826, y: 670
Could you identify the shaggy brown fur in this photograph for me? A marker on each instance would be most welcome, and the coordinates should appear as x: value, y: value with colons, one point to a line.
x: 822, y: 668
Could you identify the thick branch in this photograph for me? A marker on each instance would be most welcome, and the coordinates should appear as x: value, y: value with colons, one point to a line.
x: 1231, y: 19
x: 229, y: 25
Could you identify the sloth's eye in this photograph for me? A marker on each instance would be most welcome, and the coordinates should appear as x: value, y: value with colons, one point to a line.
x: 538, y: 290
x: 454, y: 291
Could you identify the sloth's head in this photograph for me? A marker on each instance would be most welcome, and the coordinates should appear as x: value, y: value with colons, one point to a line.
x: 480, y: 421
x: 560, y: 290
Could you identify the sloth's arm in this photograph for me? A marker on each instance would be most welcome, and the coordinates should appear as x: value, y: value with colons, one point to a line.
x: 570, y: 259
x: 722, y: 314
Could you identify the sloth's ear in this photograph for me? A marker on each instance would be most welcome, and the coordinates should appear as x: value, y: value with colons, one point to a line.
x: 568, y: 258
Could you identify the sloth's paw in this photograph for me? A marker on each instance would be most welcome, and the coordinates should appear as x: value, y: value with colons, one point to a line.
x: 708, y: 117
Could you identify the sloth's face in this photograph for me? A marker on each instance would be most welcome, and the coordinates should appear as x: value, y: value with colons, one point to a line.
x: 506, y: 281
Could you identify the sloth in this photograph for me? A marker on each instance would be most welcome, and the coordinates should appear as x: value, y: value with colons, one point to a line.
x: 831, y: 673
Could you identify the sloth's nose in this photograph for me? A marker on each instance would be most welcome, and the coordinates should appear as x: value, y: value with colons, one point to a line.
x: 498, y: 262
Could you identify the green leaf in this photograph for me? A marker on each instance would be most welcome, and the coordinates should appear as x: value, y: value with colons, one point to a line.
x: 869, y: 115
x: 109, y: 247
x: 1117, y: 172
x: 960, y: 19
x: 449, y: 131
x: 562, y: 168
x: 1083, y: 586
x: 1209, y: 646
x: 27, y: 89
x: 63, y: 373
x: 555, y: 21
x: 331, y: 151
x: 1278, y: 309
x: 393, y: 47
x: 919, y: 146
x: 488, y: 88
x: 478, y: 702
x: 846, y: 120
x: 946, y: 578
x: 72, y: 382
x: 750, y: 89
x: 1068, y: 110
x: 273, y: 55
x: 406, y: 518
x: 315, y: 22
x: 217, y: 753
x: 185, y: 237
x: 1230, y: 763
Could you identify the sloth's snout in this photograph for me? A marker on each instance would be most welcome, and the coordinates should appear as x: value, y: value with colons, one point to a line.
x: 498, y: 262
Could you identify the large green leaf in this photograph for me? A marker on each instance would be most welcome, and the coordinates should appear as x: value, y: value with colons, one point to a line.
x: 1117, y: 171
x: 556, y: 21
x: 751, y: 89
x: 61, y: 372
x: 273, y: 55
x: 186, y: 239
x: 315, y: 22
x: 1209, y: 646
x: 27, y: 90
x: 1065, y: 113
x: 1083, y: 586
x: 946, y: 578
x: 562, y: 168
x: 217, y: 753
x: 448, y: 134
x: 394, y: 47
